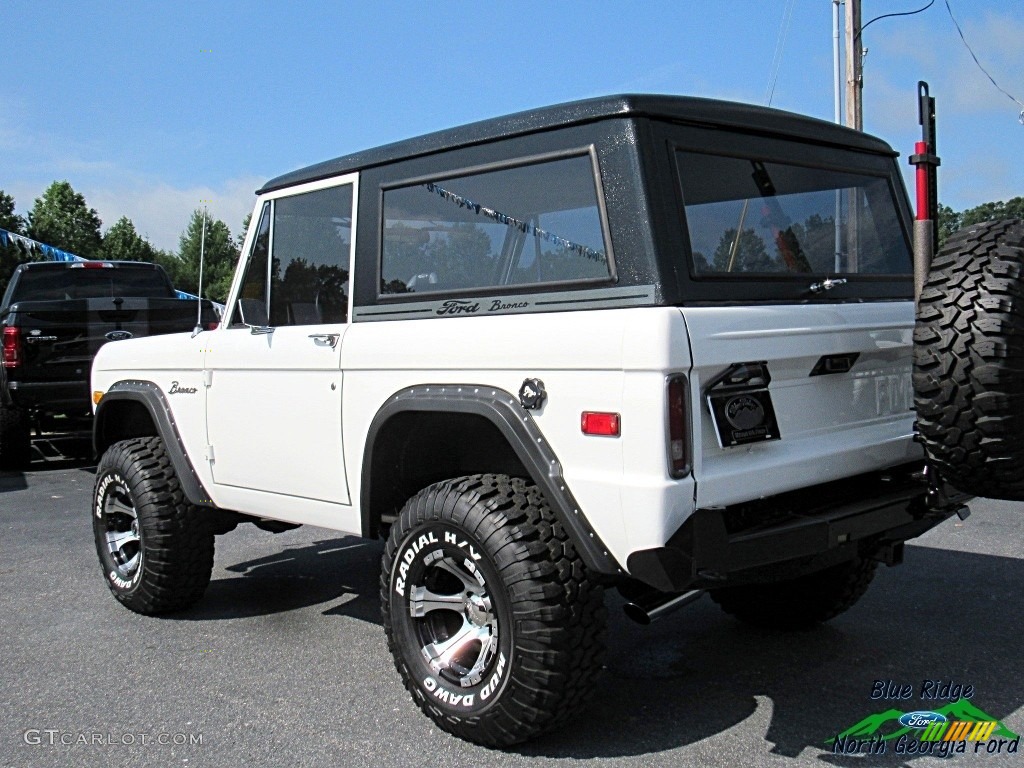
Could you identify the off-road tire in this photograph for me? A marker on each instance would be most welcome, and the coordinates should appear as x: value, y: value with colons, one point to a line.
x: 801, y: 602
x: 15, y: 439
x: 969, y: 360
x: 155, y: 548
x: 490, y: 546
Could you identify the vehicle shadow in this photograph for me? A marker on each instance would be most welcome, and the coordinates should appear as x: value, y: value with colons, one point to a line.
x: 61, y: 450
x: 298, y: 577
x: 697, y: 674
x: 947, y: 615
x: 12, y: 481
x: 51, y: 451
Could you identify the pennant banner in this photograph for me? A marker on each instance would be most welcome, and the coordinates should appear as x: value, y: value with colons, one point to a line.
x: 510, y: 221
x: 29, y: 246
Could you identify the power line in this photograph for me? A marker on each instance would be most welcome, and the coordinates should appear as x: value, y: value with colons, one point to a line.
x: 780, y: 45
x: 890, y: 15
x: 973, y: 56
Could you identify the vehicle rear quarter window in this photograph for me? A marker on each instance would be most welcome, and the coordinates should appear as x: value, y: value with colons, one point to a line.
x: 745, y: 215
x: 535, y: 223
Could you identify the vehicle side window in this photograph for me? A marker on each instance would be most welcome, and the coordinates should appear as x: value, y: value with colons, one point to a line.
x: 298, y: 273
x: 312, y: 238
x: 534, y: 223
x: 251, y: 307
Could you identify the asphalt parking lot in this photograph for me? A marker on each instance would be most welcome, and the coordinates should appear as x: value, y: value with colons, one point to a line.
x: 284, y: 662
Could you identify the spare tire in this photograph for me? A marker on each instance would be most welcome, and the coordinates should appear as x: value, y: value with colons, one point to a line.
x: 969, y: 360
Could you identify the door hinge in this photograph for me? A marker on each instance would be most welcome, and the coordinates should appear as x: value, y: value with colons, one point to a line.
x: 209, y: 453
x: 207, y: 377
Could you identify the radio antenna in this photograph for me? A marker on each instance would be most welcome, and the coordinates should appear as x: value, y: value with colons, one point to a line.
x: 199, y: 300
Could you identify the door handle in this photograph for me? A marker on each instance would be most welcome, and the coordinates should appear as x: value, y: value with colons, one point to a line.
x: 325, y: 339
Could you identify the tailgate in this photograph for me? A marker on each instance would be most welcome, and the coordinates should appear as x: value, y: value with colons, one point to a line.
x: 839, y: 383
x: 60, y: 338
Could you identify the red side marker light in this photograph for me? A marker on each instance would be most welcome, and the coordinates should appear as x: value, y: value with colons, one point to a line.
x: 600, y: 423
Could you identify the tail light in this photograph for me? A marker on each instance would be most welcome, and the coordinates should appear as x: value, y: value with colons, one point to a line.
x: 11, y: 348
x: 678, y: 427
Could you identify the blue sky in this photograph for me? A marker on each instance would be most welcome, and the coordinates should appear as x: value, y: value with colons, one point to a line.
x: 149, y: 109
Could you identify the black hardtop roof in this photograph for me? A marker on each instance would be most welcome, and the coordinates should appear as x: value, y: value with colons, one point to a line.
x: 683, y: 109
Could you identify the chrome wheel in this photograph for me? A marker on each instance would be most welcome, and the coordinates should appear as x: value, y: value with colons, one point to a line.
x: 455, y: 621
x: 121, y: 529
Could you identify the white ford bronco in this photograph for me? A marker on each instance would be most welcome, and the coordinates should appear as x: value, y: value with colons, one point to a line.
x: 658, y: 344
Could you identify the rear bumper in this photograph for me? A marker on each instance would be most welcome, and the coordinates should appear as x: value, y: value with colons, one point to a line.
x: 869, y: 516
x: 50, y: 396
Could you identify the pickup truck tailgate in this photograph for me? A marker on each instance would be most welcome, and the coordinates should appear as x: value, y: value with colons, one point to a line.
x: 60, y: 338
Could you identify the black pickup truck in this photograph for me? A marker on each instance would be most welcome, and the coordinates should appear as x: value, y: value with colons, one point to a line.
x: 54, y: 316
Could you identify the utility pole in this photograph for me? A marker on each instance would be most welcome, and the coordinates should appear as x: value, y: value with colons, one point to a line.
x: 854, y: 67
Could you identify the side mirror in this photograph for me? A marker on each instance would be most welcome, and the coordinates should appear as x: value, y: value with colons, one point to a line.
x: 254, y: 314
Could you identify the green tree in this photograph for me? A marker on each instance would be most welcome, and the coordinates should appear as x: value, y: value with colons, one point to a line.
x: 9, y: 220
x: 171, y: 263
x: 221, y: 255
x: 949, y: 222
x: 11, y: 255
x: 62, y: 219
x: 123, y: 243
x: 751, y: 254
x: 1011, y: 209
x: 240, y: 239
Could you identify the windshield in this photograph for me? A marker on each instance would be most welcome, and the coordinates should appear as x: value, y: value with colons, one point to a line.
x: 748, y: 216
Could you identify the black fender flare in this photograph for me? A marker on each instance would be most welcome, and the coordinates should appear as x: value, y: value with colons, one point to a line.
x: 518, y: 427
x: 150, y: 396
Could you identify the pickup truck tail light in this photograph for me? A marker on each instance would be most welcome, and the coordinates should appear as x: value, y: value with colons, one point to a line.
x: 11, y: 348
x: 678, y: 427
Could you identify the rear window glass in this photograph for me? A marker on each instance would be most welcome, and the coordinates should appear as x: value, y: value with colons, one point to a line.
x: 91, y: 283
x: 535, y: 223
x: 749, y: 216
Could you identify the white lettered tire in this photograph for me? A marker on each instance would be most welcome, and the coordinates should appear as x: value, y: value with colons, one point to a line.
x: 155, y: 548
x: 492, y: 619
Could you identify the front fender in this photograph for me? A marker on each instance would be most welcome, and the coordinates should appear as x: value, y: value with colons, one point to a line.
x: 109, y: 429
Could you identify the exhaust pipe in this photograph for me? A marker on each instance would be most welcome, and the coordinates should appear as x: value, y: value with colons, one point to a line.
x: 652, y: 606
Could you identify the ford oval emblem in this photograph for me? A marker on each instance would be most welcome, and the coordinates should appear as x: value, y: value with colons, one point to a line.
x: 118, y: 335
x: 921, y: 719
